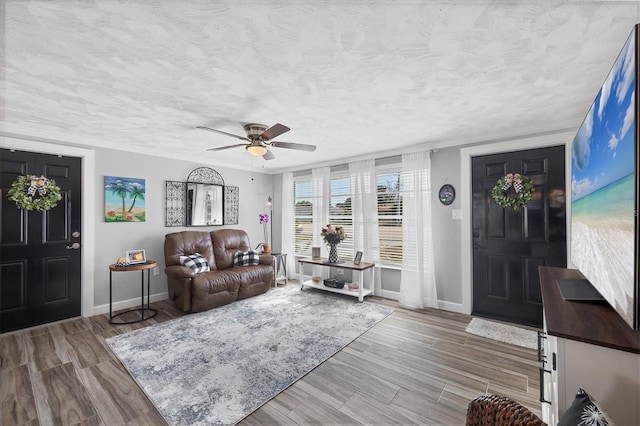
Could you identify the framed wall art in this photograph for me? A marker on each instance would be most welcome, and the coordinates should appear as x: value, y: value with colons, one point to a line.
x: 124, y: 199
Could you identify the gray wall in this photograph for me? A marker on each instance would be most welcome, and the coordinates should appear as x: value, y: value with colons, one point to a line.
x: 445, y: 168
x: 113, y: 239
x: 276, y: 239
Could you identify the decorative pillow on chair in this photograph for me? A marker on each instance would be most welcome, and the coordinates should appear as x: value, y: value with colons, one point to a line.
x: 196, y: 262
x: 246, y: 258
x: 584, y: 411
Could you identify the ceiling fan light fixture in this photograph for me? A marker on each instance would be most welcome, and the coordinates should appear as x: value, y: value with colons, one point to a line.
x: 254, y: 130
x: 257, y: 150
x: 260, y: 140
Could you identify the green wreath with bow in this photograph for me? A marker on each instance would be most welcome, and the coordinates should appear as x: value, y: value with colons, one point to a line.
x: 31, y: 192
x: 513, y: 190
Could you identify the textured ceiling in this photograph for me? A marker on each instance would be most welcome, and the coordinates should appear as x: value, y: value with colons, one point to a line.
x: 352, y: 77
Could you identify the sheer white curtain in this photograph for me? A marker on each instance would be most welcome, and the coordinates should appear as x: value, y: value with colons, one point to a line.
x: 288, y: 219
x: 364, y: 208
x: 417, y: 284
x: 321, y: 192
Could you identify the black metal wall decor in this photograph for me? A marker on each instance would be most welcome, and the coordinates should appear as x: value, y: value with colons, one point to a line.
x: 205, y: 175
x: 231, y: 205
x: 175, y: 207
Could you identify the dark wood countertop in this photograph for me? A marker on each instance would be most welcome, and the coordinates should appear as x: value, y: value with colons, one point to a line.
x: 590, y: 322
x: 343, y: 264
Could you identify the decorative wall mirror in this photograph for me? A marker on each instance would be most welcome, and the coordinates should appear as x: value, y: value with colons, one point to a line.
x: 203, y: 200
x: 204, y: 204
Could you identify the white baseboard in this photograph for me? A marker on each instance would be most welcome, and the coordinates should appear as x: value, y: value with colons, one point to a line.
x: 452, y: 307
x: 130, y: 303
x: 442, y: 304
x: 388, y: 294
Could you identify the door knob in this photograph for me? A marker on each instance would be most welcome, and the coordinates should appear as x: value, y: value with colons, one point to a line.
x: 75, y: 234
x: 74, y: 246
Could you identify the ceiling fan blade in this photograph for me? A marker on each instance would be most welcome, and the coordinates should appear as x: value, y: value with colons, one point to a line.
x: 227, y: 147
x: 221, y: 132
x: 274, y: 131
x: 292, y: 145
x: 268, y: 155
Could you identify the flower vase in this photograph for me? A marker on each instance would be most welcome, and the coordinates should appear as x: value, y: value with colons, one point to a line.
x: 333, y: 253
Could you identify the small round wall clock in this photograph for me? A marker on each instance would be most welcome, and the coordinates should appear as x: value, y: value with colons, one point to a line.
x: 447, y: 194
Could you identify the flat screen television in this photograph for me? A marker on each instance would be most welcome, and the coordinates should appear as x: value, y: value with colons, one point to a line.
x: 604, y: 185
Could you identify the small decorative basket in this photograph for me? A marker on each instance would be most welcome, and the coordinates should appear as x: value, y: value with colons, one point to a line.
x: 333, y: 283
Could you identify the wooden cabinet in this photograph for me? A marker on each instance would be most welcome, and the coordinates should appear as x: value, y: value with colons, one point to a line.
x: 587, y: 345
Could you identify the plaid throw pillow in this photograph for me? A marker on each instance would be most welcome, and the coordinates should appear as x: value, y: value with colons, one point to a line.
x: 246, y: 258
x: 196, y: 262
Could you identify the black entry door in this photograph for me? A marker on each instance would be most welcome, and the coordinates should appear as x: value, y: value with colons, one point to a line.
x: 509, y: 245
x: 40, y: 264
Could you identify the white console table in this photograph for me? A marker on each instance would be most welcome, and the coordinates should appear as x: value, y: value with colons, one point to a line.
x: 360, y: 293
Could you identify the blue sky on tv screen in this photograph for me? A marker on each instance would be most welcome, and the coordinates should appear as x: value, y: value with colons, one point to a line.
x: 603, y: 149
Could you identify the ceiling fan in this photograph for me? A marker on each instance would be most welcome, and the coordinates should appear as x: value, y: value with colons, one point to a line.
x: 260, y: 139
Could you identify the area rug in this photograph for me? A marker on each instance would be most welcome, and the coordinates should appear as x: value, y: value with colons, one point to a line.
x: 503, y: 333
x: 218, y: 366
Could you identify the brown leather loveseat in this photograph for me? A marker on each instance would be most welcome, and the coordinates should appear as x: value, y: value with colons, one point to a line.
x: 224, y: 283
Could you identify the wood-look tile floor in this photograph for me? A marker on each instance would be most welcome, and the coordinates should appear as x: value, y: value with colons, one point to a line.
x: 414, y: 367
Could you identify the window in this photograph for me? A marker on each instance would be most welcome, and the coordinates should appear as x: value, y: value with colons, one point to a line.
x: 390, y: 216
x: 303, y: 215
x: 340, y: 212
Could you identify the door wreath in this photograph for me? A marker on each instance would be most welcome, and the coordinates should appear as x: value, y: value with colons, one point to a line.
x: 31, y: 192
x: 513, y: 190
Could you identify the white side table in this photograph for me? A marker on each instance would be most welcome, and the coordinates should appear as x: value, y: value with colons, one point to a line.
x: 361, y: 268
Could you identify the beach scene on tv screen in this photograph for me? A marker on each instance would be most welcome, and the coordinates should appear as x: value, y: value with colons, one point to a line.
x: 603, y: 188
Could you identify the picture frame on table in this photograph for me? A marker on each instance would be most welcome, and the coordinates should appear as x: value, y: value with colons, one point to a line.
x: 315, y: 252
x: 136, y: 256
x: 357, y: 258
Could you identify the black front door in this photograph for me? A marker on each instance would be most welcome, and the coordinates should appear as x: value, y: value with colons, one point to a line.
x: 508, y: 244
x: 40, y: 264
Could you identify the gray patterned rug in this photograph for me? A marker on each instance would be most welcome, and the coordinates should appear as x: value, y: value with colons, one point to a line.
x: 217, y: 367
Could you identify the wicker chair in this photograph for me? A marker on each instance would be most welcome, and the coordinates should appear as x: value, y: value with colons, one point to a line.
x: 498, y: 410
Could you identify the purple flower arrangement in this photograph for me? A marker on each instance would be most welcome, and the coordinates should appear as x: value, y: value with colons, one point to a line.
x: 332, y: 234
x: 264, y: 220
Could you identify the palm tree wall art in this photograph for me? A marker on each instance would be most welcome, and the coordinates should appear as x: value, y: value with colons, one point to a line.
x: 124, y: 199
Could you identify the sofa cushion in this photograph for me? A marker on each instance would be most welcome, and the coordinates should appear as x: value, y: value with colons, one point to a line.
x: 246, y: 258
x: 254, y: 280
x: 185, y: 243
x: 196, y: 262
x: 226, y: 242
x: 215, y: 288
